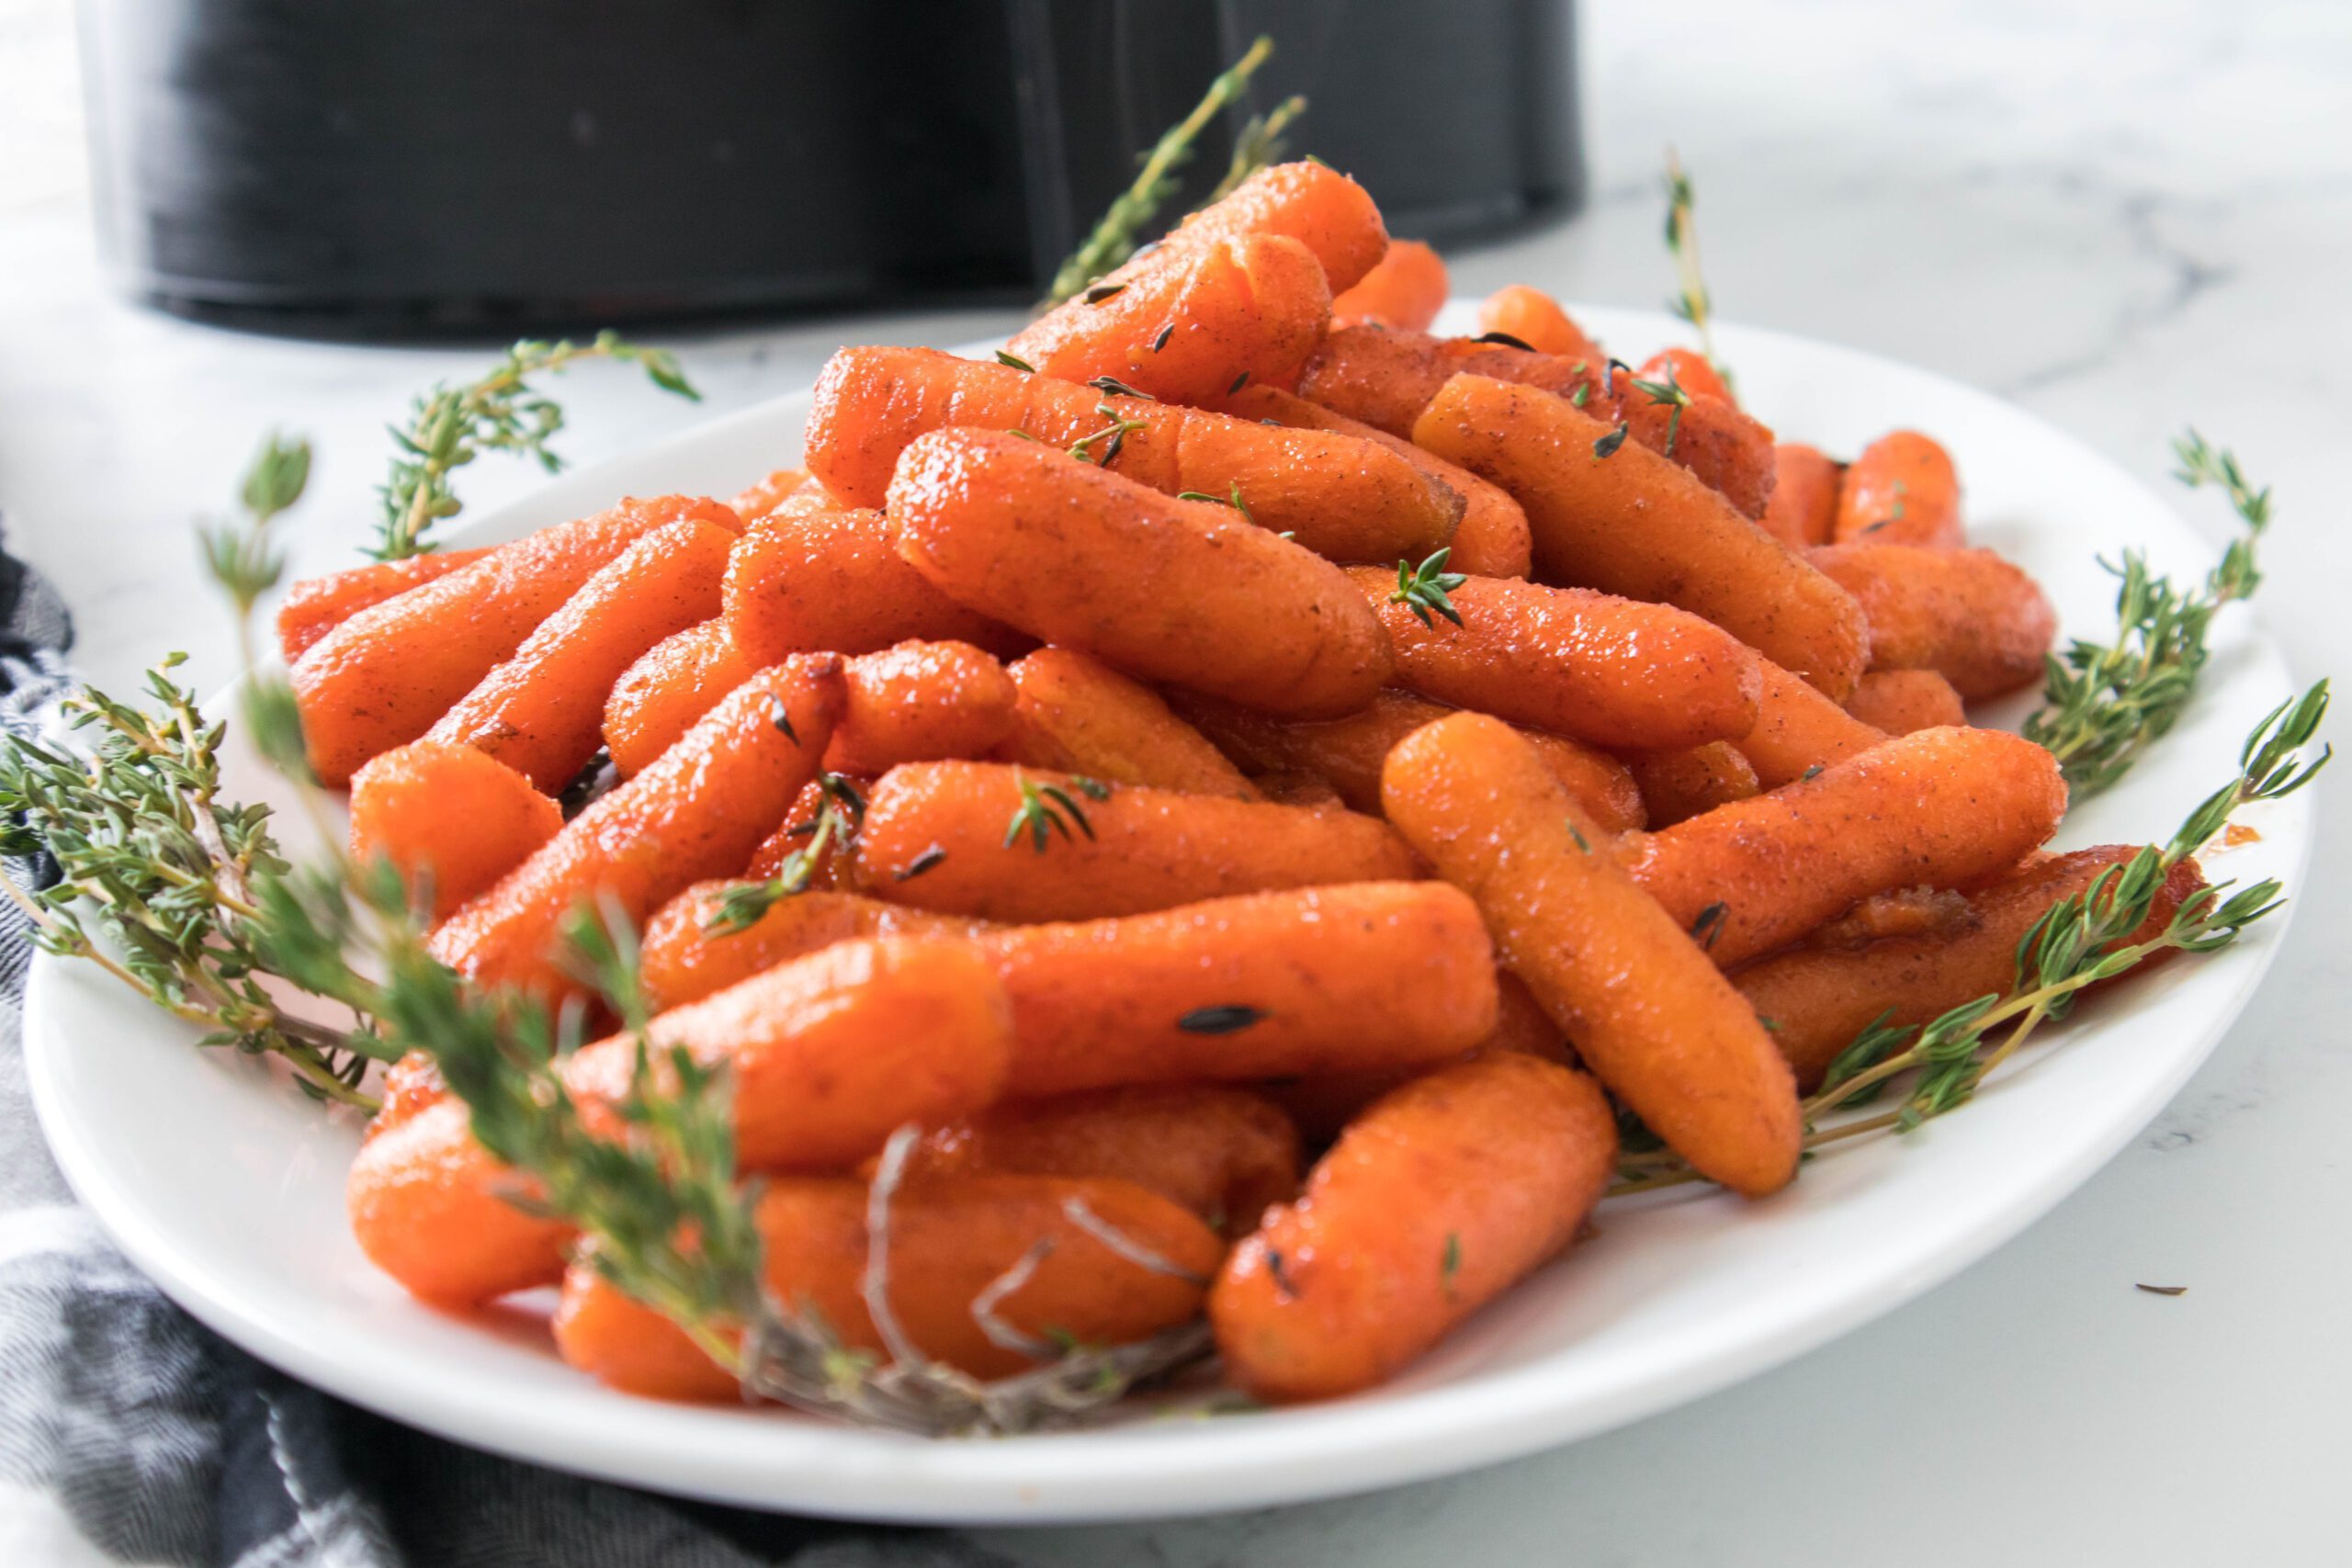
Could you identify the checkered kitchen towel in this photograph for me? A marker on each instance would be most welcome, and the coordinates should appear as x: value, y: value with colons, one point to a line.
x: 129, y: 1433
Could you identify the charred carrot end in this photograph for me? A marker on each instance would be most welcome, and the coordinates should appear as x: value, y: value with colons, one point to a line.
x: 673, y: 683
x: 1406, y: 289
x: 1903, y: 490
x: 1078, y: 715
x: 1804, y: 508
x: 693, y: 949
x: 826, y: 579
x: 1798, y: 731
x: 1530, y: 316
x: 1312, y: 203
x: 1624, y: 977
x: 316, y: 605
x: 1970, y: 615
x: 1168, y: 590
x: 1678, y: 785
x: 452, y: 818
x: 1435, y: 1201
x: 1900, y: 701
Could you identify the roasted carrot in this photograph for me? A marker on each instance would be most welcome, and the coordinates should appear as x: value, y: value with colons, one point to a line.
x: 919, y: 702
x: 1187, y: 325
x: 965, y: 837
x: 688, y: 952
x: 453, y: 819
x: 1941, y: 807
x: 1721, y: 448
x: 1079, y: 716
x: 1616, y: 517
x: 1971, y: 616
x: 316, y: 605
x: 1532, y: 316
x: 1386, y: 378
x: 1491, y: 539
x: 1821, y: 999
x: 1169, y: 589
x: 757, y: 501
x: 541, y: 711
x: 381, y: 678
x: 826, y: 579
x: 949, y: 1241
x: 1901, y: 491
x: 697, y: 812
x: 1804, y: 509
x: 1900, y: 701
x: 1678, y: 785
x: 1649, y: 1014
x: 674, y: 682
x: 1347, y: 752
x: 1799, y: 731
x: 1339, y: 496
x: 1437, y: 1200
x: 1688, y: 369
x: 1310, y: 202
x: 1605, y: 669
x: 825, y: 865
x: 1406, y: 289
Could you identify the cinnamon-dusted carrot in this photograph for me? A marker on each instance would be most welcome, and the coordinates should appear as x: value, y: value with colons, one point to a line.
x: 1900, y: 701
x: 1406, y: 289
x: 674, y: 682
x: 1079, y: 716
x: 1347, y: 751
x: 1012, y: 843
x: 542, y: 710
x: 1491, y: 539
x: 1721, y: 448
x: 758, y: 500
x: 1386, y: 378
x: 1169, y: 589
x: 697, y: 812
x: 1611, y: 515
x: 1799, y: 731
x: 826, y: 1056
x: 1821, y: 999
x: 381, y: 678
x: 1338, y: 498
x: 316, y: 605
x: 1678, y: 785
x: 1535, y: 319
x: 825, y: 578
x: 1901, y: 491
x: 919, y: 701
x: 1224, y: 1154
x: 1804, y: 509
x: 690, y: 950
x: 1310, y: 202
x: 1187, y: 325
x: 1437, y: 1200
x: 1970, y: 615
x: 1688, y: 369
x: 1942, y: 808
x: 949, y: 1241
x: 452, y: 818
x: 1610, y: 670
x: 1649, y: 1014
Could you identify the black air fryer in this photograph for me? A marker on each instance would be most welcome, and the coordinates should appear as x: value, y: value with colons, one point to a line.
x: 376, y: 167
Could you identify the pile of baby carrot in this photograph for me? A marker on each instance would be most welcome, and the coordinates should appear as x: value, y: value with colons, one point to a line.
x: 1090, y: 758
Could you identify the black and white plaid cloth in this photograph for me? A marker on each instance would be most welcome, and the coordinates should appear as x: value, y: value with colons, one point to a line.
x: 130, y: 1433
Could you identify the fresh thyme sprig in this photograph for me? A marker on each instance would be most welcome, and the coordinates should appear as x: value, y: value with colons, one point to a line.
x: 841, y: 810
x: 1671, y: 391
x: 1119, y: 231
x: 2077, y: 942
x: 1427, y: 587
x: 1114, y: 436
x: 450, y: 426
x: 1693, y: 303
x: 1230, y: 498
x: 1048, y: 808
x: 2107, y: 703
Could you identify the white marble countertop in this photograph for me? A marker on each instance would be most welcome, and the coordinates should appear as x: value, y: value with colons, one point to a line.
x: 2127, y: 217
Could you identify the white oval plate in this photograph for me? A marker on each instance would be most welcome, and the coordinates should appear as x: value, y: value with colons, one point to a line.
x: 226, y: 1185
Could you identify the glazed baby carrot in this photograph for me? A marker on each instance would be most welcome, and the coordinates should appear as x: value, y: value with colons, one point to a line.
x: 826, y: 1056
x: 689, y: 951
x: 452, y: 818
x: 1491, y: 539
x: 1224, y: 1154
x: 1168, y: 590
x: 541, y: 712
x: 1187, y: 325
x: 919, y: 701
x: 1336, y: 496
x: 757, y: 501
x: 1306, y: 202
x: 1613, y: 516
x: 1437, y: 1200
x: 1678, y: 785
x: 1013, y: 843
x: 826, y: 579
x: 1804, y: 509
x: 825, y: 864
x: 1821, y: 999
x: 1609, y: 670
x: 1968, y: 615
x: 381, y: 678
x: 1534, y: 318
x: 1901, y: 491
x: 1347, y: 752
x: 1322, y: 979
x: 1649, y: 1014
x: 1386, y: 378
x: 674, y: 682
x: 1078, y: 715
x: 949, y: 1241
x: 697, y: 812
x: 1721, y: 447
x: 1942, y: 809
x: 316, y: 605
x: 1900, y: 701
x: 1799, y: 731
x: 1688, y: 369
x: 1406, y: 289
